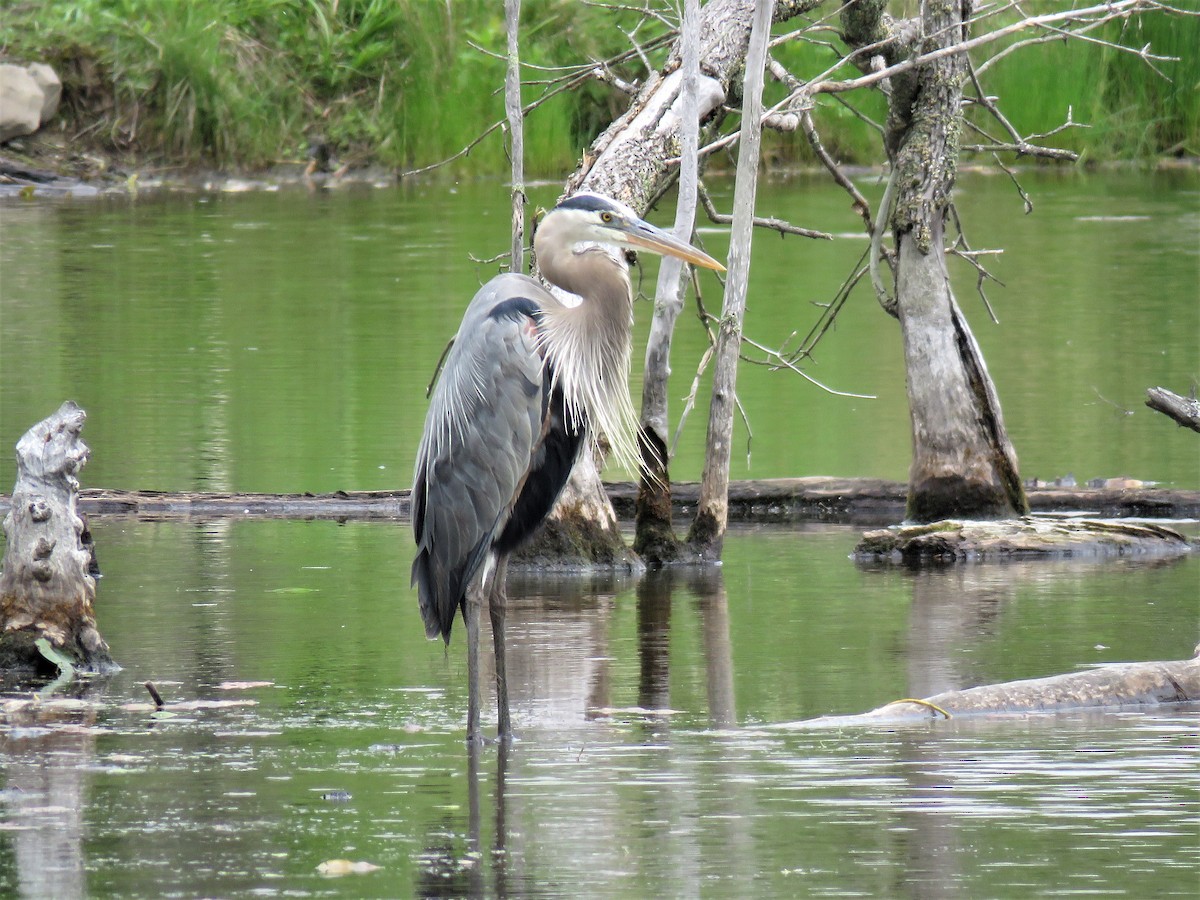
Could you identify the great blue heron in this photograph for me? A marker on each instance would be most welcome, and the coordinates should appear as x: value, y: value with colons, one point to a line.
x: 527, y: 378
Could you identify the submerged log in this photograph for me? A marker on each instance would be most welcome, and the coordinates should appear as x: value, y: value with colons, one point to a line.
x: 854, y: 501
x: 47, y: 588
x: 1031, y: 536
x: 1114, y: 686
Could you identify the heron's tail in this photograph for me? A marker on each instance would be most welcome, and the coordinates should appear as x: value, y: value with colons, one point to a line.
x: 438, y: 616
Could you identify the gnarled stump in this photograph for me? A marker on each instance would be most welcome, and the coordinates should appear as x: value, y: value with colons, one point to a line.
x: 47, y: 588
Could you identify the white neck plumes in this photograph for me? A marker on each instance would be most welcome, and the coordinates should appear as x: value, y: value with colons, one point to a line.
x: 588, y: 346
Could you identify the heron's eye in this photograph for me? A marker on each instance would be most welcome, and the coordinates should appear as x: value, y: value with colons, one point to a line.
x: 606, y: 218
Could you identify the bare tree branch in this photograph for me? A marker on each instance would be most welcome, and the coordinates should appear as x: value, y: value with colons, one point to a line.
x: 760, y: 222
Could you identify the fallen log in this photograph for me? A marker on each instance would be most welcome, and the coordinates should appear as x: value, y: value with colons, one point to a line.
x: 47, y: 588
x: 1030, y: 536
x: 1136, y: 685
x: 855, y: 501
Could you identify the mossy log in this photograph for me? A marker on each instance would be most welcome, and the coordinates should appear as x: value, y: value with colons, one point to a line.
x: 1030, y: 536
x: 47, y: 588
x: 1114, y: 686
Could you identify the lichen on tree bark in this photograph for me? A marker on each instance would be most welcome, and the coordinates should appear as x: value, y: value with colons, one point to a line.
x: 963, y: 462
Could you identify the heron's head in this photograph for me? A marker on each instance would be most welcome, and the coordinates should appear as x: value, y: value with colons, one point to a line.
x: 592, y: 218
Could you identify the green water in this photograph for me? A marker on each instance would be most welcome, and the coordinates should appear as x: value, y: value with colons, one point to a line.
x: 656, y: 755
x: 282, y: 341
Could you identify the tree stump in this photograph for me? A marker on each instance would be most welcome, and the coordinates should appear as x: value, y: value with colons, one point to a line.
x: 47, y: 588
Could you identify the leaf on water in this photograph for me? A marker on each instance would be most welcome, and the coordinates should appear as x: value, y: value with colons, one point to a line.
x: 346, y: 867
x: 65, y: 666
x: 243, y: 685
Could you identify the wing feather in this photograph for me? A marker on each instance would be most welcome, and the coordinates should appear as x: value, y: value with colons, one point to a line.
x: 484, y: 424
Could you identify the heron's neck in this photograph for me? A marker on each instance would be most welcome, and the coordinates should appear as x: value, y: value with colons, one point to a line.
x: 588, y: 349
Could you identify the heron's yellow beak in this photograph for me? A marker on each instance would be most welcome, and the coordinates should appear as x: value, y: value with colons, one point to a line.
x: 648, y: 237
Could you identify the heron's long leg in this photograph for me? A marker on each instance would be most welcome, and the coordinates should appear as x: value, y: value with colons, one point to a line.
x: 498, y: 605
x: 471, y: 619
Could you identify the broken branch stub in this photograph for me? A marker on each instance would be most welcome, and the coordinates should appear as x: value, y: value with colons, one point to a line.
x: 47, y: 588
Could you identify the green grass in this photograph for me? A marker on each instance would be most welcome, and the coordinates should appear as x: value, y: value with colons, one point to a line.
x: 249, y: 82
x: 397, y: 82
x: 1131, y: 111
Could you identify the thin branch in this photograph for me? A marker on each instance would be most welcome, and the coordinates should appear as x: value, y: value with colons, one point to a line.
x: 777, y: 361
x: 859, y: 202
x: 1016, y: 183
x: 830, y: 313
x: 1106, y: 12
x: 882, y: 223
x: 1020, y: 145
x: 814, y: 139
x: 759, y: 222
x: 963, y: 250
x: 569, y: 83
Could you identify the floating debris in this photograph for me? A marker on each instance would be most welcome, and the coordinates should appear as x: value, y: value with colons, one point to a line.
x: 334, y: 867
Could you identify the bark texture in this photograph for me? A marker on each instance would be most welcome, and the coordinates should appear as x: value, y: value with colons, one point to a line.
x: 963, y: 462
x: 1184, y: 410
x: 47, y: 588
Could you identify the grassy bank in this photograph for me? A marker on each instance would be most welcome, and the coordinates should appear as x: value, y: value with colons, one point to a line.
x: 248, y: 83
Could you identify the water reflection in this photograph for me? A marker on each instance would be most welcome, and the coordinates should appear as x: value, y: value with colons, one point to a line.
x: 656, y: 594
x: 956, y: 610
x: 561, y: 650
x: 560, y: 632
x: 49, y: 750
x: 644, y: 764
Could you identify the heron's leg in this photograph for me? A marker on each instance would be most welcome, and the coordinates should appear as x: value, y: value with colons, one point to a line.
x: 498, y: 606
x: 471, y: 619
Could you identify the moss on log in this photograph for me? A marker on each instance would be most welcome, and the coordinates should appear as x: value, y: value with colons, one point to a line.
x: 1030, y: 536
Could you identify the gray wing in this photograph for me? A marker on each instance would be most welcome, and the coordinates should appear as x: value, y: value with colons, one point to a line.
x: 484, y: 421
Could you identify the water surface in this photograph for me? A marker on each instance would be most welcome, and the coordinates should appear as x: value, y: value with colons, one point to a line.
x: 657, y: 751
x: 282, y: 342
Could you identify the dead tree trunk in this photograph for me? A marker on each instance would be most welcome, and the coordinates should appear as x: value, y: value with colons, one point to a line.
x: 628, y: 162
x: 516, y: 131
x: 963, y: 463
x: 47, y: 589
x: 707, y: 534
x: 654, y: 538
